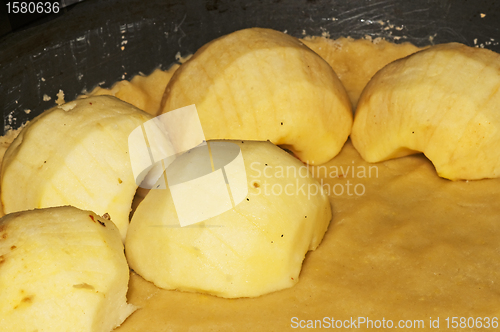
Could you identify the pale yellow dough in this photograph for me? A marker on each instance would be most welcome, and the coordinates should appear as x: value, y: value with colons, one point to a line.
x: 355, y: 61
x: 414, y: 246
x: 144, y: 92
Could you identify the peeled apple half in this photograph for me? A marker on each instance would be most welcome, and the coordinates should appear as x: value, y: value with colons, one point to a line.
x: 61, y: 270
x: 443, y: 101
x: 261, y: 84
x: 256, y: 245
x: 75, y: 154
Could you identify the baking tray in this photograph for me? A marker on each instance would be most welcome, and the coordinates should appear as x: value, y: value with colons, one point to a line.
x: 98, y: 42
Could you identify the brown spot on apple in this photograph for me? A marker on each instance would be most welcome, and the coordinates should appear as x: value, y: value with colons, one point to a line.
x: 84, y: 286
x: 26, y: 301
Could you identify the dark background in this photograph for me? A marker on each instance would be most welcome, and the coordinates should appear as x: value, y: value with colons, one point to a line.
x: 82, y: 46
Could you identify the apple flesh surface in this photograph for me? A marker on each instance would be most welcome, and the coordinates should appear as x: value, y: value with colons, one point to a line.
x: 251, y: 249
x: 61, y: 269
x: 74, y: 154
x: 261, y: 84
x: 442, y: 101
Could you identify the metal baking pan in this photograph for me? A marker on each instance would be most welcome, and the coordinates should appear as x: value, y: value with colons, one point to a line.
x: 97, y: 42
